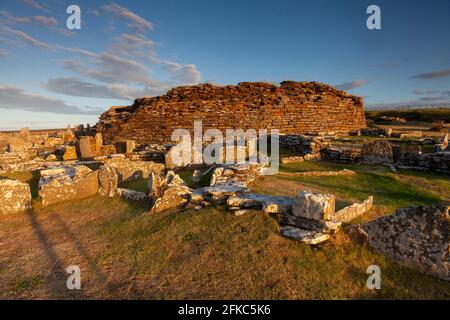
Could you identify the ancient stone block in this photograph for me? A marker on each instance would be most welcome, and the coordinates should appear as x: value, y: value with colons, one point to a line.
x: 87, y: 146
x: 173, y: 197
x: 15, y: 196
x: 133, y: 170
x: 378, y: 152
x: 418, y: 237
x: 303, y: 235
x: 108, y: 180
x: 313, y: 205
x: 67, y: 183
x: 131, y: 194
x: 126, y: 146
x: 353, y: 211
x: 70, y: 153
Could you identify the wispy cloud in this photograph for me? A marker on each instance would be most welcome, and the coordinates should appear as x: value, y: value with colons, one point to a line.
x: 45, y: 21
x: 137, y: 23
x: 351, y: 85
x: 34, y: 4
x: 3, y: 53
x: 78, y: 88
x: 12, y: 97
x: 24, y: 37
x: 11, y: 19
x: 432, y: 75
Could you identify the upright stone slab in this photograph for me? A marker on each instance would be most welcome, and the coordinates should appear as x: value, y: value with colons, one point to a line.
x: 15, y: 196
x: 70, y: 153
x: 313, y: 205
x: 87, y: 147
x: 108, y: 181
x: 98, y: 144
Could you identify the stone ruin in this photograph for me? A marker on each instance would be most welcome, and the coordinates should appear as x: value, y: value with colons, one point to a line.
x: 418, y: 237
x: 292, y: 107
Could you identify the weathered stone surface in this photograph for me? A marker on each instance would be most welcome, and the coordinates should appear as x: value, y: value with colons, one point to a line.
x: 344, y: 172
x: 293, y: 107
x: 353, y: 211
x: 67, y: 183
x: 173, y: 197
x: 221, y: 193
x: 15, y: 196
x: 108, y: 181
x: 297, y: 159
x: 70, y: 153
x: 303, y: 235
x: 321, y: 226
x: 51, y: 157
x: 378, y: 152
x: 416, y: 236
x: 133, y: 170
x: 126, y: 146
x: 178, y: 156
x: 131, y: 194
x: 268, y: 204
x: 87, y: 146
x: 313, y: 205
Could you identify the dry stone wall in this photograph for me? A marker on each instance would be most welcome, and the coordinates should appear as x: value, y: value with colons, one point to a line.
x: 292, y: 107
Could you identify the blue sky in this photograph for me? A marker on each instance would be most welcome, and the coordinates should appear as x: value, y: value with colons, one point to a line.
x: 51, y: 76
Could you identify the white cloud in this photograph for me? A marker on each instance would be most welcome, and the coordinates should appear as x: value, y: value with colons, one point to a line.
x: 11, y: 19
x: 34, y: 4
x: 27, y: 38
x: 351, y: 85
x: 45, y: 21
x: 16, y: 98
x: 137, y: 23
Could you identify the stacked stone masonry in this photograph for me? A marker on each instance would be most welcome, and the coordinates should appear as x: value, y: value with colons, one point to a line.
x: 292, y: 107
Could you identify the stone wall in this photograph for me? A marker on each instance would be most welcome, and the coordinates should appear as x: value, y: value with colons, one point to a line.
x: 415, y: 236
x: 292, y: 107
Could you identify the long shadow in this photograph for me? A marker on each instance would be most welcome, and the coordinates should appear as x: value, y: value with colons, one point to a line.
x: 101, y: 277
x: 58, y: 272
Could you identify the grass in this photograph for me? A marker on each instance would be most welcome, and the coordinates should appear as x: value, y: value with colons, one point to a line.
x: 422, y: 115
x: 124, y: 252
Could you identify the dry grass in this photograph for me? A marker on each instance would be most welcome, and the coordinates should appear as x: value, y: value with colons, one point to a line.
x: 210, y: 254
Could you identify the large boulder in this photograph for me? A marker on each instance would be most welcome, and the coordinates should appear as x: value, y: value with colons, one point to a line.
x: 67, y: 183
x: 173, y: 197
x: 15, y: 196
x: 108, y: 181
x: 415, y: 236
x: 313, y: 205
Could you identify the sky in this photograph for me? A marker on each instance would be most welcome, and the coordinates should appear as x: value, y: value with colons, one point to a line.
x: 51, y: 77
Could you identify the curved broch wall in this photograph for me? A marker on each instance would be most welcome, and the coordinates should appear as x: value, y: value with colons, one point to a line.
x: 292, y: 107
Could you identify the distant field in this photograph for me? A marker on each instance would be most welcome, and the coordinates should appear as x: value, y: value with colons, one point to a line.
x: 422, y: 115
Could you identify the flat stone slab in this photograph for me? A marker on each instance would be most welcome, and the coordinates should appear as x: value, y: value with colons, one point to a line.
x: 223, y: 191
x: 266, y: 203
x: 131, y: 194
x: 303, y: 235
x: 321, y: 226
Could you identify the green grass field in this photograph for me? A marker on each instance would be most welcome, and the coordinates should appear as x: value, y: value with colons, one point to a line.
x: 420, y: 115
x: 125, y: 252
